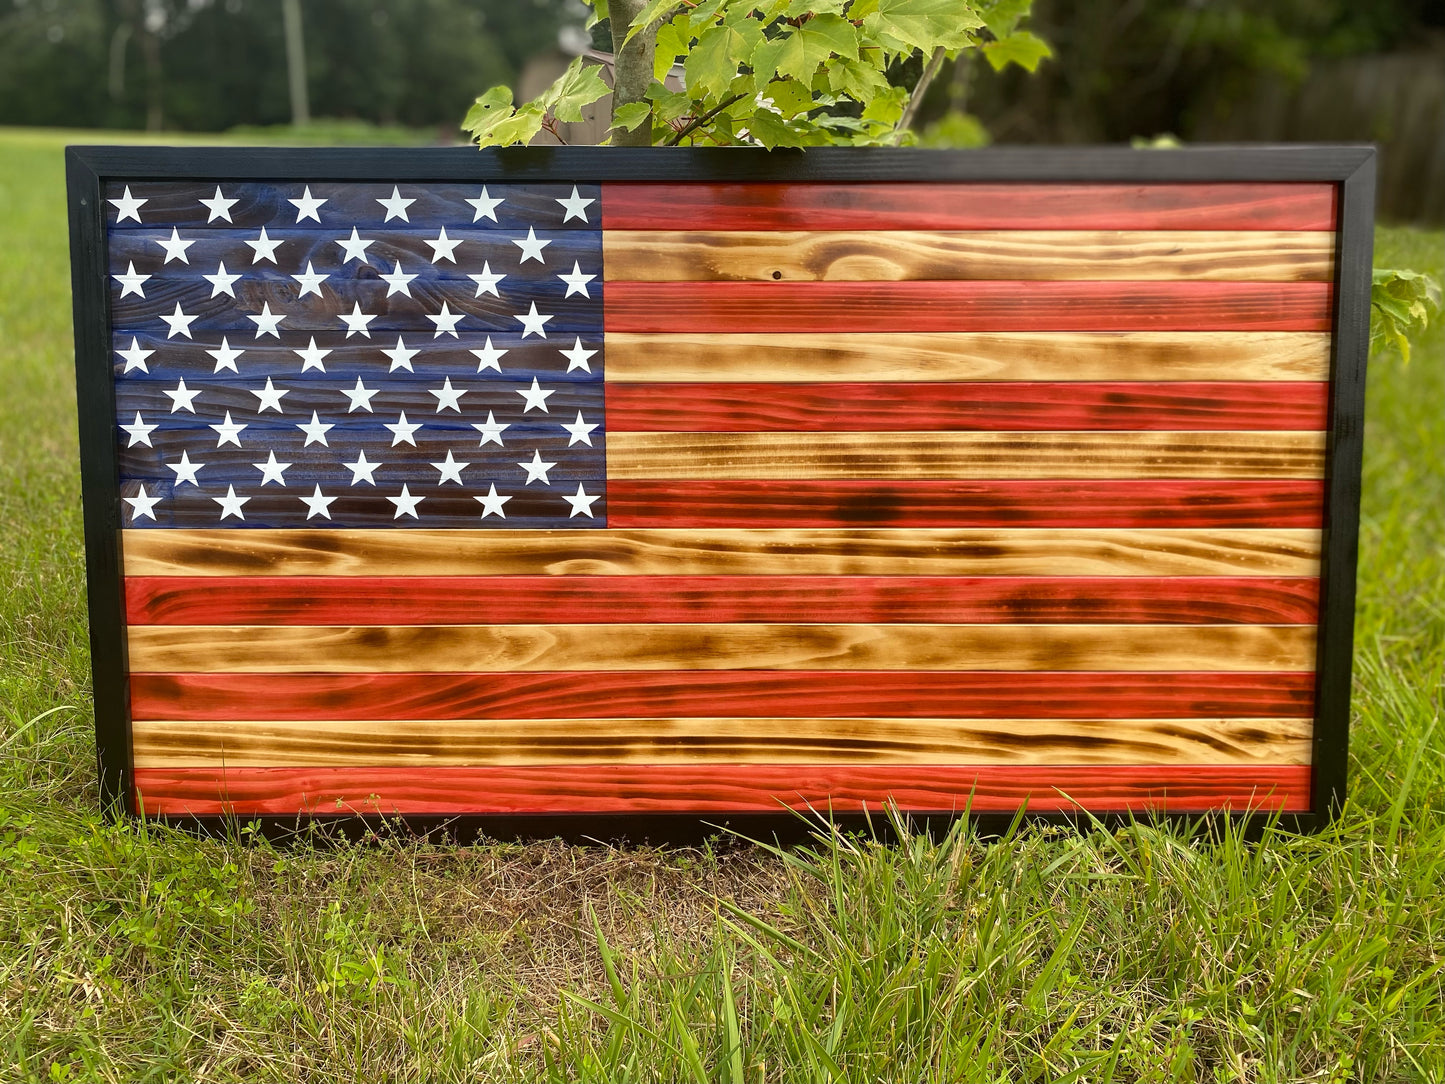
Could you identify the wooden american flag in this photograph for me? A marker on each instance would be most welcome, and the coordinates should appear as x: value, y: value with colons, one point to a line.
x: 955, y: 494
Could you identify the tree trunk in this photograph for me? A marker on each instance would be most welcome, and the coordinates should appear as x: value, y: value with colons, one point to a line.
x: 632, y: 74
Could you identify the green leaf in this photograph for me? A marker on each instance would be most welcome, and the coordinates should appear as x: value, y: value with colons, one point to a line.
x: 654, y: 10
x: 600, y: 13
x: 714, y: 60
x: 629, y: 116
x: 673, y: 41
x: 859, y: 80
x: 789, y: 97
x: 886, y: 108
x: 496, y: 102
x: 580, y: 85
x: 798, y: 54
x: 905, y: 25
x: 1002, y: 17
x: 771, y: 130
x: 1020, y: 47
x: 494, y: 123
x: 1402, y: 304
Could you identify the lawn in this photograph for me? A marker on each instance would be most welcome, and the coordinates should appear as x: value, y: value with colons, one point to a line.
x: 134, y: 953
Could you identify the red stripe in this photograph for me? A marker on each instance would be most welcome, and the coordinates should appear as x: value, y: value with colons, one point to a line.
x: 720, y: 307
x: 483, y: 600
x: 740, y: 408
x: 737, y: 693
x: 716, y: 788
x: 1013, y: 503
x: 959, y: 206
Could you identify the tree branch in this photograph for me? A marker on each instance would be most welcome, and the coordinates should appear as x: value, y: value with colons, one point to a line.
x: 632, y: 69
x: 915, y: 100
x: 697, y: 122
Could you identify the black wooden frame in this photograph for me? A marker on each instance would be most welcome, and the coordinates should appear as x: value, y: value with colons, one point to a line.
x: 1350, y: 168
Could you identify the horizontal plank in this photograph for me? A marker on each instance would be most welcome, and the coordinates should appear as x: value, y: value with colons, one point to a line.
x: 830, y: 307
x: 1014, y: 503
x: 967, y: 455
x: 483, y: 600
x: 722, y: 551
x: 917, y: 405
x: 741, y: 693
x: 1038, y: 356
x: 473, y: 742
x: 711, y: 646
x: 964, y: 206
x: 715, y: 788
x: 913, y: 255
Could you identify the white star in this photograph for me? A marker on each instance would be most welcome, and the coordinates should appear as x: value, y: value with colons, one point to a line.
x: 531, y: 247
x: 579, y: 431
x: 487, y: 280
x: 315, y: 430
x: 443, y: 247
x: 486, y: 206
x: 537, y: 468
x: 129, y: 207
x: 577, y: 357
x: 266, y: 322
x: 355, y: 247
x: 263, y: 248
x: 532, y: 322
x: 581, y: 503
x: 576, y: 206
x: 362, y: 469
x: 356, y: 321
x: 536, y: 396
x: 489, y: 357
x: 228, y: 432
x: 577, y: 281
x: 448, y: 398
x: 225, y: 356
x: 400, y: 356
x: 175, y: 247
x: 317, y: 504
x: 360, y: 397
x: 446, y: 322
x: 135, y: 357
x: 186, y: 470
x: 141, y: 505
x: 180, y: 323
x: 311, y: 356
x: 491, y: 430
x: 271, y: 471
x: 492, y: 503
x: 405, y: 504
x: 307, y: 206
x: 221, y: 281
x: 270, y: 397
x: 140, y: 433
x: 396, y: 206
x: 451, y: 470
x: 219, y: 206
x: 231, y: 504
x: 183, y: 398
x: 401, y: 431
x: 131, y: 282
x: 310, y: 282
x: 396, y: 282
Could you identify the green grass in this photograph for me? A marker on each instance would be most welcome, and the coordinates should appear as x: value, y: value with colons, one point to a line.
x: 134, y: 953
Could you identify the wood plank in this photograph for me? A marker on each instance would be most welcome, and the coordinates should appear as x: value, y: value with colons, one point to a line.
x: 741, y: 693
x: 964, y: 206
x: 903, y: 255
x: 830, y: 307
x: 469, y: 742
x: 917, y: 405
x: 709, y: 646
x: 968, y: 356
x: 1169, y: 503
x: 968, y: 455
x: 722, y: 551
x: 485, y: 600
x: 712, y: 788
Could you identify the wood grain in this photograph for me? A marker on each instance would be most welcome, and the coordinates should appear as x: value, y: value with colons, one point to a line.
x: 711, y: 646
x: 721, y: 551
x: 466, y: 742
x: 968, y: 455
x: 1025, y: 356
x: 829, y: 307
x: 904, y: 255
x: 712, y: 788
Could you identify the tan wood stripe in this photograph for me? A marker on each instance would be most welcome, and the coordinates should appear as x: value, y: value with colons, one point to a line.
x: 249, y: 744
x: 720, y: 551
x: 967, y: 455
x: 498, y: 648
x: 893, y: 255
x: 1122, y: 355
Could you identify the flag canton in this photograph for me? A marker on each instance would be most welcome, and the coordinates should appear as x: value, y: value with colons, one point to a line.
x: 358, y: 355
